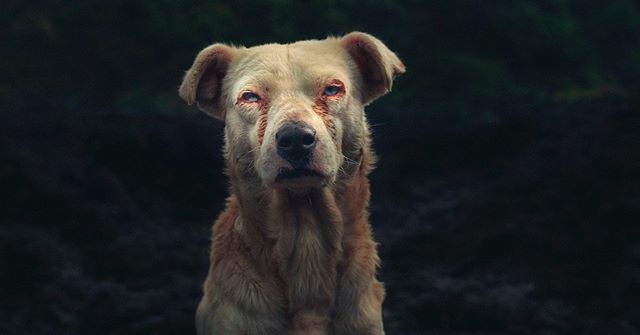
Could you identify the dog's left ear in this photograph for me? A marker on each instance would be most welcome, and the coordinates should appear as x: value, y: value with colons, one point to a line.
x: 377, y: 64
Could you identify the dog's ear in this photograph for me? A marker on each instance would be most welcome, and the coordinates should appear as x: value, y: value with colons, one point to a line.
x: 377, y: 64
x: 203, y: 81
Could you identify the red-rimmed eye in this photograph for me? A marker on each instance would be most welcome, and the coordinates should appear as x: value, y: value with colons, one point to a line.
x: 332, y: 90
x: 249, y: 97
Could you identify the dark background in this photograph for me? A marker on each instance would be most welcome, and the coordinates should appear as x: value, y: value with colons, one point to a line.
x: 506, y: 200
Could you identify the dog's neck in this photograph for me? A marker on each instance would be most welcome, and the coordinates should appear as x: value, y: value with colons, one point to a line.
x: 303, y: 240
x: 274, y: 222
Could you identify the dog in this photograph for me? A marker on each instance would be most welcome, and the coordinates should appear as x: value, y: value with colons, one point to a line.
x: 293, y: 251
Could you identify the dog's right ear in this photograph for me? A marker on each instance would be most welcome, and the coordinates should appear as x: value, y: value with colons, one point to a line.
x: 377, y: 64
x: 202, y: 83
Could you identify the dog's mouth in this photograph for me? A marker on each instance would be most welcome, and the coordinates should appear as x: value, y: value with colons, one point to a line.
x: 288, y: 174
x: 299, y: 177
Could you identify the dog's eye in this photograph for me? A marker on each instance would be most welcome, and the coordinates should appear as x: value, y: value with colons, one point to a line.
x: 249, y: 97
x: 332, y: 90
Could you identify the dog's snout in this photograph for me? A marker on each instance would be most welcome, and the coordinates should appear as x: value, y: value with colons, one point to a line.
x: 296, y: 141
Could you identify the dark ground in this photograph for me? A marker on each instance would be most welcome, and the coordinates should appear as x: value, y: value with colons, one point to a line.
x: 525, y: 223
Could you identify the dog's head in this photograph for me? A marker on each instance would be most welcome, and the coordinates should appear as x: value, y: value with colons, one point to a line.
x: 294, y: 113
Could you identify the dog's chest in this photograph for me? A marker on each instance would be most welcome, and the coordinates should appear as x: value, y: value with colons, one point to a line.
x: 309, y: 248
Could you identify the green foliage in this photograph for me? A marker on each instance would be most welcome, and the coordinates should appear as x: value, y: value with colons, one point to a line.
x: 459, y: 53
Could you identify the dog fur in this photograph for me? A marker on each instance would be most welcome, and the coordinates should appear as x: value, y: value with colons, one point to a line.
x: 294, y: 256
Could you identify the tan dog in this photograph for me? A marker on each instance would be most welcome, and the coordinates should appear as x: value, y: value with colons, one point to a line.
x: 293, y: 253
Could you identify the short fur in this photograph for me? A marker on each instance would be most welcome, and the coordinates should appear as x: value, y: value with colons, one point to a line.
x: 294, y: 257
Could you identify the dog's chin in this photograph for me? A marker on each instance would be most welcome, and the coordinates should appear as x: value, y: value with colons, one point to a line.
x: 299, y: 180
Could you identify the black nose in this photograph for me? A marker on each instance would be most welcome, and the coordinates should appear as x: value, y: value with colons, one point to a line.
x: 295, y: 143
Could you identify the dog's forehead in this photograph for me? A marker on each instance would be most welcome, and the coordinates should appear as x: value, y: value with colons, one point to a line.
x: 300, y: 60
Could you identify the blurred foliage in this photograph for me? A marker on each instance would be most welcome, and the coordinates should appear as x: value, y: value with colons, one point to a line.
x: 131, y: 53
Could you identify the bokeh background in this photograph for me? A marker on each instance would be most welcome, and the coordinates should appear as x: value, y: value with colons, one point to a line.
x: 506, y: 200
